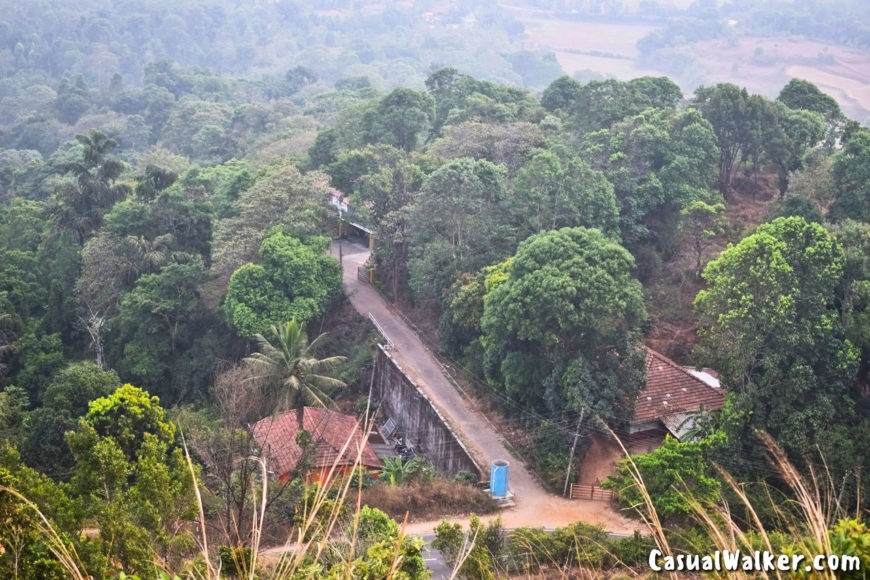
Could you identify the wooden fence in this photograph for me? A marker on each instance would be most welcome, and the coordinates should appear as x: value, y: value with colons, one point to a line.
x: 593, y: 492
x: 363, y: 274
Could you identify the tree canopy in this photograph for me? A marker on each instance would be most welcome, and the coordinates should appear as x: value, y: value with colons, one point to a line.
x: 564, y: 323
x: 294, y: 280
x: 770, y: 326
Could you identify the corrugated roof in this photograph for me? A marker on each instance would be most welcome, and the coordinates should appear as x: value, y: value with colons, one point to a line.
x: 330, y: 431
x: 671, y: 389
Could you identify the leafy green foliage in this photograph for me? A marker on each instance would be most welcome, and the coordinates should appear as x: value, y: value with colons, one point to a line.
x: 371, y: 526
x: 551, y: 194
x: 13, y: 406
x: 397, y: 471
x: 727, y: 108
x: 674, y: 475
x: 769, y: 325
x: 126, y: 415
x: 290, y: 373
x: 399, y: 118
x: 65, y: 400
x: 73, y: 387
x: 399, y: 557
x: 294, y: 280
x: 39, y: 357
x: 565, y: 321
x: 493, y: 553
x: 133, y: 481
x: 168, y: 340
x: 851, y: 538
x: 480, y: 547
x: 795, y: 133
x: 530, y: 549
x: 458, y: 224
x: 851, y: 179
x: 703, y: 222
x: 598, y: 105
x: 659, y: 162
x: 551, y: 454
x: 282, y: 196
x: 79, y: 207
x: 26, y: 552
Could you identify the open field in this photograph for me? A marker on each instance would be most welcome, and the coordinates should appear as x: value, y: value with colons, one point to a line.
x: 621, y: 69
x: 606, y: 48
x: 761, y: 64
x: 764, y: 65
x: 614, y: 38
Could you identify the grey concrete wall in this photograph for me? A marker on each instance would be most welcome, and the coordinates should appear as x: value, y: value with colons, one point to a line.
x: 415, y: 416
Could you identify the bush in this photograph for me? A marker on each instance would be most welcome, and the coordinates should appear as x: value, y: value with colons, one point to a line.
x: 235, y: 560
x: 580, y: 544
x: 484, y: 541
x: 632, y: 550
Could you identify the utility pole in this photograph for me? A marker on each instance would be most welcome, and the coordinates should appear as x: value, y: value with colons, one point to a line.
x: 573, y: 448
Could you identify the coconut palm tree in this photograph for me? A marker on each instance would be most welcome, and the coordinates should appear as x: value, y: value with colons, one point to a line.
x: 289, y: 371
x: 79, y: 205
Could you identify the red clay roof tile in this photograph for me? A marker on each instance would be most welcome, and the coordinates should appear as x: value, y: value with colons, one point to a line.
x: 672, y: 389
x: 330, y: 431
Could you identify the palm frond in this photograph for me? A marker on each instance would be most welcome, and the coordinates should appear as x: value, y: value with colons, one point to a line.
x: 288, y: 370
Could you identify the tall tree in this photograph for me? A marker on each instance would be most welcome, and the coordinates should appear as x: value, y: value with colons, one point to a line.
x: 703, y: 222
x: 163, y: 335
x: 851, y: 172
x: 770, y: 327
x: 726, y: 107
x: 64, y: 401
x: 400, y: 118
x: 79, y: 207
x: 458, y: 224
x: 794, y: 136
x: 804, y: 95
x: 659, y: 162
x: 288, y: 370
x: 133, y: 482
x: 550, y: 194
x: 560, y: 331
x: 282, y: 196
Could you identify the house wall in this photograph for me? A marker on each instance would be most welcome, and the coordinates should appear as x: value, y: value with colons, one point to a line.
x: 646, y: 441
x: 415, y: 416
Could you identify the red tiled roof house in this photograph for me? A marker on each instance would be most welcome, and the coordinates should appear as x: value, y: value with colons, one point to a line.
x: 671, y: 395
x: 337, y: 441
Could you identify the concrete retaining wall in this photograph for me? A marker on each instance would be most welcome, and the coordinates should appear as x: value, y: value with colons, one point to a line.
x: 417, y: 418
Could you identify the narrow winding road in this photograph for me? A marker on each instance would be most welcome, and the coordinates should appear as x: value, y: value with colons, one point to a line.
x: 535, y: 506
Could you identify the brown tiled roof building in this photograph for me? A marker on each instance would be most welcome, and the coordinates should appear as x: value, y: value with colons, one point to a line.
x: 671, y: 395
x: 671, y: 389
x: 337, y: 442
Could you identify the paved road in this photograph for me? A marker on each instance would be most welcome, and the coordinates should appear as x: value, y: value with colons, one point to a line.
x: 534, y: 505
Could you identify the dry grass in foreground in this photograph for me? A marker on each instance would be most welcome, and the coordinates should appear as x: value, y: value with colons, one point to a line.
x: 428, y: 500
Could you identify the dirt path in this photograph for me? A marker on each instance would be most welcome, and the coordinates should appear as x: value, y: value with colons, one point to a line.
x: 534, y: 505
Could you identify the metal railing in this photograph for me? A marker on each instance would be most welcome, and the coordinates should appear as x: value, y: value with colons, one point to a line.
x: 388, y: 344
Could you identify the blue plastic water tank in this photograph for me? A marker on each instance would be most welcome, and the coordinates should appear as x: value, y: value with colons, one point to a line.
x: 498, y: 478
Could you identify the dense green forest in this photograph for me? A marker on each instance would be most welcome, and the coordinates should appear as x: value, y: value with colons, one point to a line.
x: 165, y: 177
